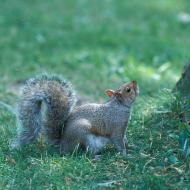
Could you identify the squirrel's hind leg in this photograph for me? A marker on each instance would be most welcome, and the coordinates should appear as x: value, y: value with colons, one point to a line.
x: 68, y: 147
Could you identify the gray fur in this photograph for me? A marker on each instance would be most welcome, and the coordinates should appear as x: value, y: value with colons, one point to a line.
x: 48, y: 103
x: 95, y: 125
x: 45, y: 103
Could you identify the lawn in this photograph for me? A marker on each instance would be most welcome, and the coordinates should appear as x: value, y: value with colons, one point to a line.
x: 97, y: 45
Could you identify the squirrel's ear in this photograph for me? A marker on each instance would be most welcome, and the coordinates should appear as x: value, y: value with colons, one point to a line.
x: 109, y: 92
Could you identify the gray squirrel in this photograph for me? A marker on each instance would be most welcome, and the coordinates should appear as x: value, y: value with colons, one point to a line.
x: 48, y: 105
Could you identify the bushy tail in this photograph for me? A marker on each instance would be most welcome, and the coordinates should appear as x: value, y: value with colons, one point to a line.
x: 45, y: 103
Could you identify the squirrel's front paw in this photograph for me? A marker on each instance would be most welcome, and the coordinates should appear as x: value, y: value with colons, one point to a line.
x: 96, y: 157
x: 123, y: 153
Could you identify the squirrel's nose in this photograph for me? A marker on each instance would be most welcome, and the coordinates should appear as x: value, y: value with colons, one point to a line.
x: 134, y: 84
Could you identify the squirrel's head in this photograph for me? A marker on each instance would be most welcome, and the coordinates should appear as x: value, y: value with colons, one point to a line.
x: 126, y: 94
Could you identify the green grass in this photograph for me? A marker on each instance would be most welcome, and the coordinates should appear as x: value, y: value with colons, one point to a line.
x: 97, y: 45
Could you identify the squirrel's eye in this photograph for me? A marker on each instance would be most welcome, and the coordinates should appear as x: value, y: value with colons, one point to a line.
x: 128, y: 90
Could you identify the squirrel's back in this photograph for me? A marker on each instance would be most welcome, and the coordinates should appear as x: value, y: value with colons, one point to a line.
x: 46, y: 101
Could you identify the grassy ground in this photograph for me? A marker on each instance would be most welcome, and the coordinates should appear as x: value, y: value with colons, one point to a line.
x: 97, y: 45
